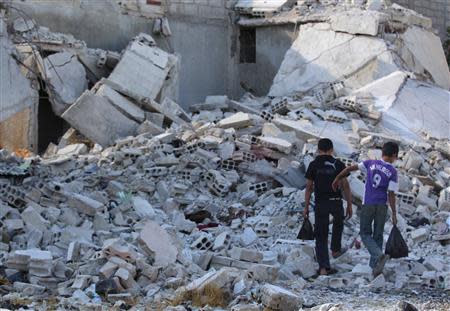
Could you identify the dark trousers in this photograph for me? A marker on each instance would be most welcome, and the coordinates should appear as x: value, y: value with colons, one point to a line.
x: 323, y: 210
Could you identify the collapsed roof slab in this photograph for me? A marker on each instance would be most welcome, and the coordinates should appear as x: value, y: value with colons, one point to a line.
x: 321, y: 55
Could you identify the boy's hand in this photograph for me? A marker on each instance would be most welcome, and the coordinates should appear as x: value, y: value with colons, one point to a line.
x: 306, y: 213
x: 335, y: 184
x: 349, y: 211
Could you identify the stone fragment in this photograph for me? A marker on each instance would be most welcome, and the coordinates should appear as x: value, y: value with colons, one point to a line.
x: 248, y: 236
x: 66, y: 79
x: 73, y: 149
x: 28, y: 289
x: 143, y: 208
x: 357, y: 21
x: 245, y: 254
x: 84, y: 204
x: 214, y: 288
x: 157, y: 242
x: 277, y: 298
x: 237, y: 121
x: 222, y: 241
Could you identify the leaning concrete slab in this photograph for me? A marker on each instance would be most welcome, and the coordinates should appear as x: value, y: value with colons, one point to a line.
x: 95, y: 117
x: 142, y: 70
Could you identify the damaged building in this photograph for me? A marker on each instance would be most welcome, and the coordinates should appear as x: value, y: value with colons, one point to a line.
x: 153, y: 153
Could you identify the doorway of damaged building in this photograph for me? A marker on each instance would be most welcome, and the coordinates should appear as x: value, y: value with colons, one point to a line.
x: 50, y: 126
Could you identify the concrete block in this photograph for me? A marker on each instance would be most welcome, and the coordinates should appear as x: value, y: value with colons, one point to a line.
x: 142, y: 70
x: 28, y: 289
x: 275, y: 143
x: 73, y: 149
x: 81, y: 282
x: 246, y: 307
x: 278, y: 298
x: 218, y: 282
x: 84, y: 204
x: 203, y: 242
x: 126, y: 279
x: 245, y: 254
x: 419, y: 235
x: 143, y: 208
x: 444, y: 200
x: 108, y: 269
x: 13, y: 224
x: 433, y: 264
x: 119, y: 248
x: 357, y: 22
x: 73, y: 251
x: 236, y: 121
x: 33, y: 219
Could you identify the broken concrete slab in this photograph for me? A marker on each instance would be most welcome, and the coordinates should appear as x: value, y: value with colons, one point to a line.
x: 122, y: 104
x: 96, y: 118
x: 415, y: 100
x: 142, y: 69
x: 356, y: 21
x: 66, y: 79
x: 84, y: 204
x: 311, y: 62
x: 427, y: 55
x: 157, y: 242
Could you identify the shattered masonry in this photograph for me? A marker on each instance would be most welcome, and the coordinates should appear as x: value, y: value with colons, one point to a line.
x: 144, y: 204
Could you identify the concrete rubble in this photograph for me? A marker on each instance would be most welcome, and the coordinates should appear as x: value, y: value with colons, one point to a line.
x: 182, y: 210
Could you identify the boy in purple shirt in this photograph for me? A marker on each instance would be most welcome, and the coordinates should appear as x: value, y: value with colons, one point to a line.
x: 381, y: 185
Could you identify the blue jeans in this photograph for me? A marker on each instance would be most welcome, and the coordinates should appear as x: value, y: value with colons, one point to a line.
x: 373, y: 218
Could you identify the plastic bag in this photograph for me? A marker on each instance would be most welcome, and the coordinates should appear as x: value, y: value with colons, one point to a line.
x: 396, y: 246
x: 306, y: 231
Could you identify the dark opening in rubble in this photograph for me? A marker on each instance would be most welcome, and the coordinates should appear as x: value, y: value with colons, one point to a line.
x: 247, y: 42
x: 50, y: 126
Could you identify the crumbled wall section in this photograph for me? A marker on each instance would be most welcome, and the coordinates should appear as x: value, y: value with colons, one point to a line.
x: 20, y: 130
x: 437, y: 10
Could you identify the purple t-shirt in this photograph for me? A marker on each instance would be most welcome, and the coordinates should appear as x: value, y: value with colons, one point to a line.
x: 381, y: 177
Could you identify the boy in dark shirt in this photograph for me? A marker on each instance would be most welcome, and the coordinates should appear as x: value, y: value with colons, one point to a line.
x: 320, y: 176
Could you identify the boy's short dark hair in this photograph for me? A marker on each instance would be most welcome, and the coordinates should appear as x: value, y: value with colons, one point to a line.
x: 390, y: 149
x: 325, y: 144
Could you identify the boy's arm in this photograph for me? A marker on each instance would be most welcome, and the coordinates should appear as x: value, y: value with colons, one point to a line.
x: 391, y: 197
x: 348, y: 197
x: 308, y: 191
x: 343, y: 174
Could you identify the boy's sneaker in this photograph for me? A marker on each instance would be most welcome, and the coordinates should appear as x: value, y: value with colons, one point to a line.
x: 380, y: 265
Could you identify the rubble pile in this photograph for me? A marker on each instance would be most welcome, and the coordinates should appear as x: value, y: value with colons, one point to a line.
x: 178, y: 210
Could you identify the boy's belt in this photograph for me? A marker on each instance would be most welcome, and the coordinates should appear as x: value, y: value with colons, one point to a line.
x: 334, y: 199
